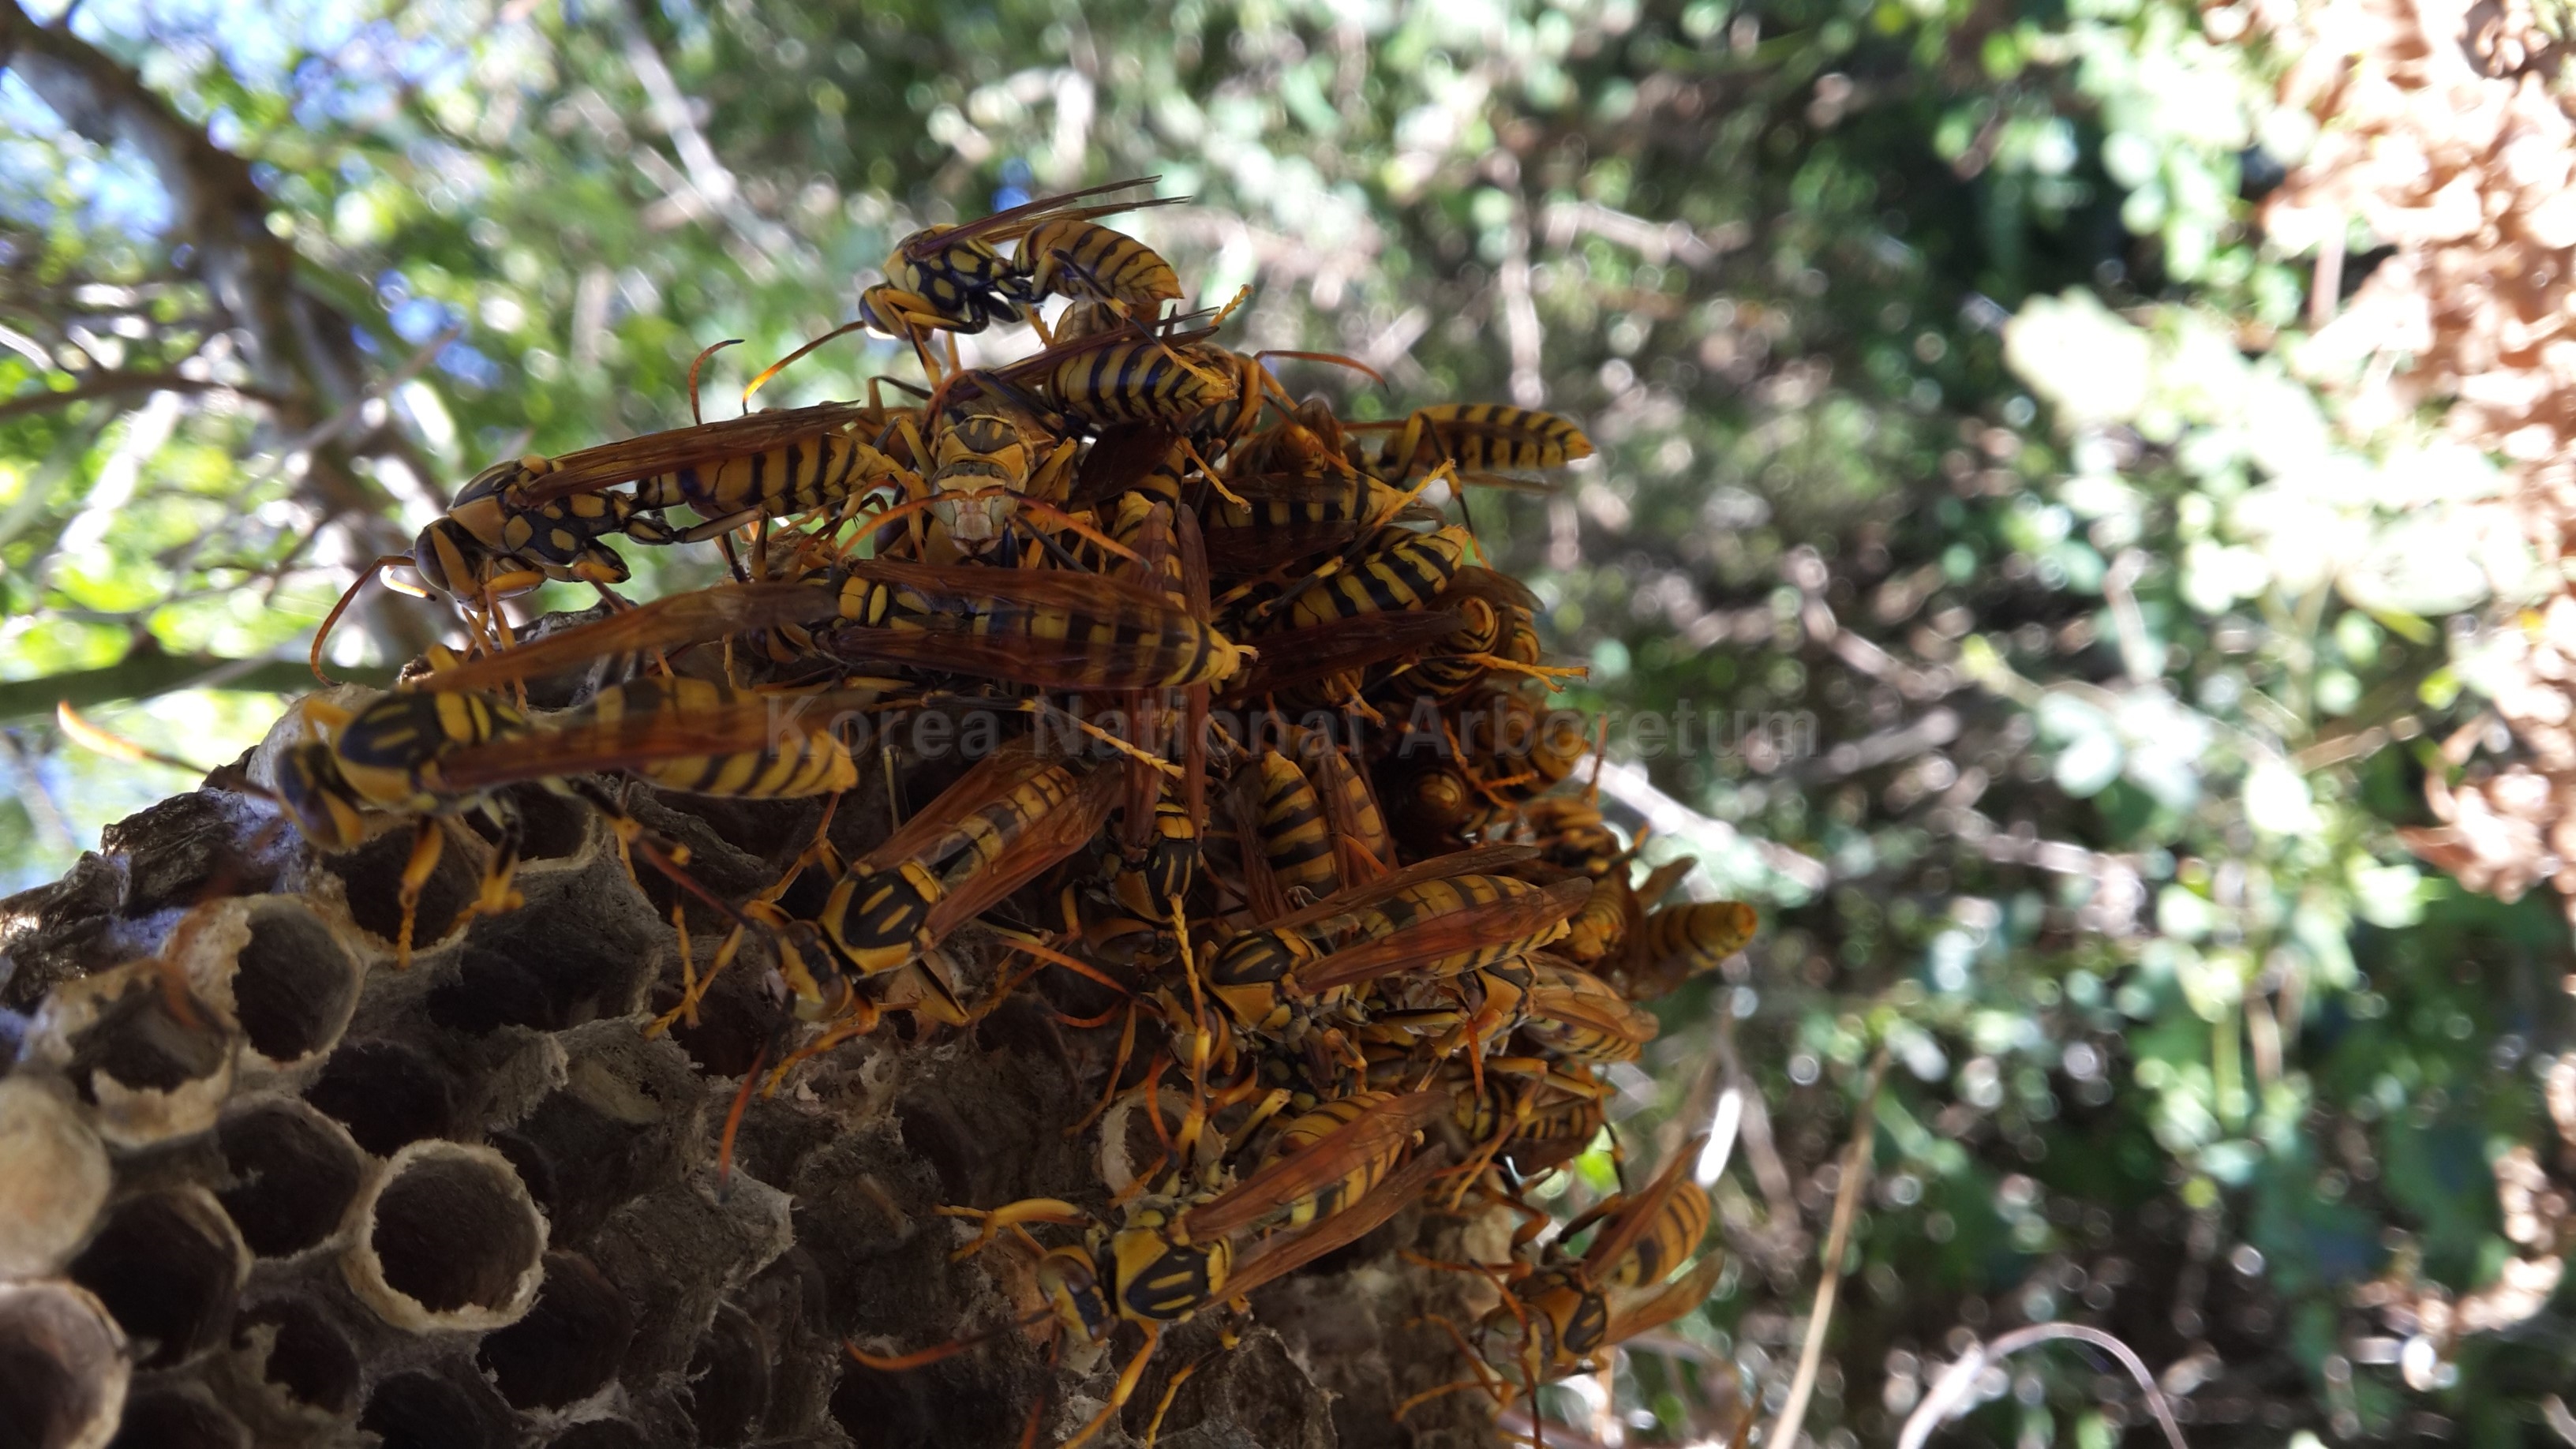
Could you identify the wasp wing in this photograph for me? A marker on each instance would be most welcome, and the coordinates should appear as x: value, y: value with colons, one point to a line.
x: 1242, y: 553
x: 931, y: 832
x: 667, y: 623
x: 1652, y: 1310
x: 1015, y: 220
x: 1477, y: 860
x: 1381, y: 1131
x: 1261, y: 888
x: 1288, y: 1252
x: 1338, y: 646
x: 1572, y: 995
x: 1119, y: 459
x: 1040, y: 844
x: 1519, y: 916
x: 1624, y: 1227
x: 588, y: 470
x: 739, y: 723
x: 1351, y: 812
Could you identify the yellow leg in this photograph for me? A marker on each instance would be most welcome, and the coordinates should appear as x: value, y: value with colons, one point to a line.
x: 427, y: 842
x: 1118, y: 1397
x: 1171, y: 1391
x: 1010, y: 1215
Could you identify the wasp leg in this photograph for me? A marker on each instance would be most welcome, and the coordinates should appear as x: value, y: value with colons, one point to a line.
x: 1128, y: 1378
x: 428, y: 841
x: 496, y: 895
x: 1009, y: 1215
x: 1171, y: 1391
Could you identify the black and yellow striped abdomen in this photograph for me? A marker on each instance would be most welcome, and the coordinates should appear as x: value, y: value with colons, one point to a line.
x: 822, y: 471
x: 1482, y: 437
x: 388, y: 752
x: 1404, y: 570
x: 1667, y: 1243
x: 1068, y: 256
x: 1294, y: 840
x: 1134, y: 382
x: 789, y: 763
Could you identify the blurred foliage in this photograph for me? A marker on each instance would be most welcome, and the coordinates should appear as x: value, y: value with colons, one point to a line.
x: 1974, y: 576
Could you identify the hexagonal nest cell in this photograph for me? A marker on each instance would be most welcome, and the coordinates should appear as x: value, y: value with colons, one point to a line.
x: 472, y: 1202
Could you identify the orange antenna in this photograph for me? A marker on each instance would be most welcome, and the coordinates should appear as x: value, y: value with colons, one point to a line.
x: 1335, y: 358
x: 781, y: 365
x: 700, y: 361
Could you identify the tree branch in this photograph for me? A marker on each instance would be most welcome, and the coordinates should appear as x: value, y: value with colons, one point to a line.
x: 294, y: 358
x: 146, y: 673
x: 117, y: 384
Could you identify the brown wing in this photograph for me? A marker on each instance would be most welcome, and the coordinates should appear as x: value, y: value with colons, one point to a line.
x: 1383, y: 1129
x: 669, y: 623
x: 1194, y: 708
x: 1478, y: 860
x: 1495, y: 587
x: 1288, y: 1252
x: 1118, y: 459
x: 1044, y: 663
x: 1510, y: 918
x: 1362, y: 852
x: 1653, y: 1310
x: 1599, y: 1007
x: 967, y: 585
x: 1261, y: 888
x: 588, y: 470
x: 1013, y: 221
x: 1244, y: 553
x: 1637, y: 1215
x: 991, y: 778
x: 1320, y: 651
x: 1660, y: 881
x: 1048, y: 839
x: 584, y: 745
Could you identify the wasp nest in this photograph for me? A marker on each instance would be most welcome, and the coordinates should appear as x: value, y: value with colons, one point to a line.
x: 259, y: 1186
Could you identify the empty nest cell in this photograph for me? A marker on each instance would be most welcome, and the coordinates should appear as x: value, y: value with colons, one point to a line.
x: 53, y: 1176
x: 169, y: 1266
x: 293, y: 984
x: 446, y: 1238
x: 294, y: 1348
x: 178, y: 1416
x: 293, y: 1172
x: 154, y: 1059
x: 386, y: 1094
x: 546, y: 969
x: 432, y: 1410
x: 568, y: 1346
x: 63, y: 1368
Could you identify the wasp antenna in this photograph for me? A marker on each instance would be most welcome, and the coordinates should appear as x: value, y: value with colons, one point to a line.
x: 733, y: 1121
x: 115, y: 747
x: 1337, y: 359
x: 348, y: 596
x: 783, y: 363
x: 700, y: 361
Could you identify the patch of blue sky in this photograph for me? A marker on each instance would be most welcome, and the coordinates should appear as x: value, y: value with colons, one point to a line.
x: 41, y: 161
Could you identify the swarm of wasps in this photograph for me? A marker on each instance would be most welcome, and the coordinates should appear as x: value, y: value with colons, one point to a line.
x: 1372, y: 942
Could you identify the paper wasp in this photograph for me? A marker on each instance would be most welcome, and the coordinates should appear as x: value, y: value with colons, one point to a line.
x: 1477, y: 439
x: 951, y: 278
x: 1444, y: 917
x: 433, y: 754
x: 1175, y: 1255
x: 1676, y: 943
x: 1563, y: 1310
x: 1041, y: 628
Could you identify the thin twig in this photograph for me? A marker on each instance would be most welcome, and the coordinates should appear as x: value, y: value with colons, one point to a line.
x: 1847, y: 1193
x: 1950, y: 1391
x: 118, y: 384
